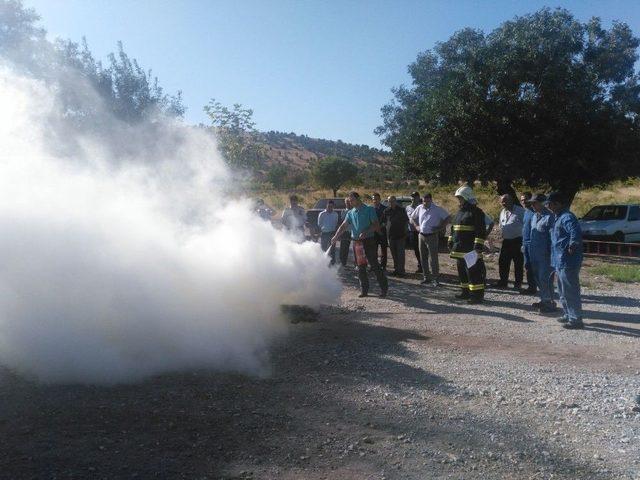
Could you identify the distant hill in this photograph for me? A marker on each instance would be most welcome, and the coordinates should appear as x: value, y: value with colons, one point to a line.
x: 298, y: 152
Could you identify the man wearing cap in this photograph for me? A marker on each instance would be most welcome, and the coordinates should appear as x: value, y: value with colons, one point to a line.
x: 525, y: 199
x: 413, y: 233
x: 396, y: 220
x: 539, y: 252
x: 468, y: 233
x: 511, y: 225
x: 429, y: 220
x: 566, y: 259
x: 363, y: 222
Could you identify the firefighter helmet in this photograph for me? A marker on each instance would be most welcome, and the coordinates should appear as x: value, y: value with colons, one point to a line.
x: 466, y: 192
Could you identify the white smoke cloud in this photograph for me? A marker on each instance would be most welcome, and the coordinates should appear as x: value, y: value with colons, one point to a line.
x: 116, y: 269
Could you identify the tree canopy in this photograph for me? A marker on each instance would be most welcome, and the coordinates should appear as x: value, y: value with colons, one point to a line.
x: 129, y: 92
x: 543, y: 99
x: 235, y: 130
x: 333, y: 172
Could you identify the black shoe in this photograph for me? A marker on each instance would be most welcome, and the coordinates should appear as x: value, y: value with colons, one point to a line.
x: 424, y: 282
x: 547, y: 308
x: 562, y: 319
x: 537, y: 305
x: 363, y: 294
x: 463, y: 295
x: 517, y: 288
x: 573, y: 326
x: 528, y: 291
x: 474, y: 300
x: 499, y: 285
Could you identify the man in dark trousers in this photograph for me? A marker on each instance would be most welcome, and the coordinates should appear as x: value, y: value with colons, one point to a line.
x: 381, y: 236
x: 363, y: 222
x: 468, y: 233
x: 511, y: 224
x: 413, y: 232
x: 345, y: 239
x: 396, y: 220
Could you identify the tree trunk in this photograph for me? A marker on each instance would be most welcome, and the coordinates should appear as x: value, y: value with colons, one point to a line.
x: 335, y: 193
x: 505, y: 188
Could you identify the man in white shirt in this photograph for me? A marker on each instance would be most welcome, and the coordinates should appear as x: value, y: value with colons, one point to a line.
x: 429, y: 220
x: 511, y: 223
x: 294, y: 217
x: 328, y: 224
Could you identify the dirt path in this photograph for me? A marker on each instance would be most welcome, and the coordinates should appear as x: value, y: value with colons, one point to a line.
x: 413, y: 386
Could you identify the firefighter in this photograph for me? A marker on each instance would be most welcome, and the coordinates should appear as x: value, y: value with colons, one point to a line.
x: 468, y: 233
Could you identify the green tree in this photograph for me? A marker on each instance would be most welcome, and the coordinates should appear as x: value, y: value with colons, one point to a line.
x: 277, y: 176
x: 333, y: 172
x: 129, y: 92
x: 237, y: 137
x: 543, y: 99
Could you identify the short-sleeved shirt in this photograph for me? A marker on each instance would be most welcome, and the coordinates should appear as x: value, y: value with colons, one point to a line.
x: 359, y: 219
x: 328, y: 221
x: 511, y: 222
x: 429, y: 218
x: 410, y: 208
x: 293, y: 218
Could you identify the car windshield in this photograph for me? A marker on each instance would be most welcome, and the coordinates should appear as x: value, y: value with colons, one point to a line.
x: 322, y: 204
x: 607, y: 212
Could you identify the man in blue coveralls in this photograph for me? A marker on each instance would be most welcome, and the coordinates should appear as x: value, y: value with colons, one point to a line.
x: 566, y: 258
x: 362, y: 220
x: 539, y: 252
x: 525, y: 198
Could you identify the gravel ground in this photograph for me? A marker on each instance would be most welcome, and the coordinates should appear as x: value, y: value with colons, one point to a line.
x: 413, y: 386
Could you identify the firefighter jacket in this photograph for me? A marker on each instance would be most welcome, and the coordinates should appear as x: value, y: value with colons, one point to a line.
x: 468, y: 231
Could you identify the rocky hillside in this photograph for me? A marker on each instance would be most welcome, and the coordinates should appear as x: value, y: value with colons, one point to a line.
x: 298, y: 152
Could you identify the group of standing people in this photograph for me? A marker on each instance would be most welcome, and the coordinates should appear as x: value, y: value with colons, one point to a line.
x: 543, y: 238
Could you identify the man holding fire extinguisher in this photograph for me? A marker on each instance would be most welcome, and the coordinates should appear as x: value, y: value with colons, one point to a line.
x: 362, y: 220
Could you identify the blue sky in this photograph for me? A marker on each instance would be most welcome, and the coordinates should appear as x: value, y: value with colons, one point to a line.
x: 322, y: 68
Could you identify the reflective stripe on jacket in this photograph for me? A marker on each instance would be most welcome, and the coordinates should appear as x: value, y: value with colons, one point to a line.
x: 468, y: 230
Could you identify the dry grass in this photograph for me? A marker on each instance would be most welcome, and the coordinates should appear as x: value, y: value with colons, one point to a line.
x: 627, y: 191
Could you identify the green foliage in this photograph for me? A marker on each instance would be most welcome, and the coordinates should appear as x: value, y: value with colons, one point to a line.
x: 333, y: 172
x: 277, y: 176
x: 543, y: 99
x: 618, y: 273
x: 237, y: 137
x: 129, y: 92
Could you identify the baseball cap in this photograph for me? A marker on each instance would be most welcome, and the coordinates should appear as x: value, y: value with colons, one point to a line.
x: 557, y: 197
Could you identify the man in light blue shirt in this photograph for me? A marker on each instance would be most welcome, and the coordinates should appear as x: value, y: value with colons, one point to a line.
x: 362, y: 220
x: 328, y: 224
x: 429, y: 220
x: 566, y: 259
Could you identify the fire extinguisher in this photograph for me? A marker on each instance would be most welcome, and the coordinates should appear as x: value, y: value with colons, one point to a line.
x: 358, y: 252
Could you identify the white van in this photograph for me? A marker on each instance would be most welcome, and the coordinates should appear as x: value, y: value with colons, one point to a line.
x: 618, y: 223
